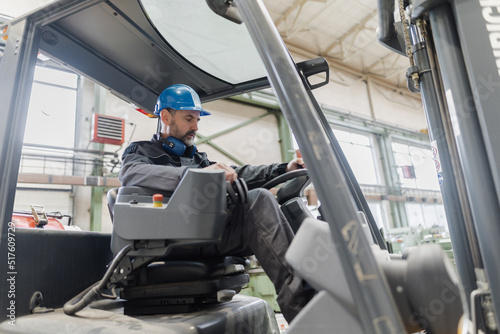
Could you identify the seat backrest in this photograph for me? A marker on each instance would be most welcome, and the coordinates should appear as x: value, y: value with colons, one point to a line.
x: 111, y: 197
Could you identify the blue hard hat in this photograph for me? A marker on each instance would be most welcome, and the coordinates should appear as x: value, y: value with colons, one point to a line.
x: 179, y: 97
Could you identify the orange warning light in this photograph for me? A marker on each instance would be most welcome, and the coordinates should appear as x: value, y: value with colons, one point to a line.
x: 142, y: 111
x: 4, y: 31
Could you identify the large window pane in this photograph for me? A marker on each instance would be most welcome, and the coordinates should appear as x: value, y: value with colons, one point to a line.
x: 48, y: 117
x: 55, y: 77
x: 415, y: 166
x: 359, y: 152
x: 425, y: 215
x: 226, y: 48
x: 380, y: 215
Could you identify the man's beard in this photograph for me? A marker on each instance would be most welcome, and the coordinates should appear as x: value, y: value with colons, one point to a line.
x: 174, y: 132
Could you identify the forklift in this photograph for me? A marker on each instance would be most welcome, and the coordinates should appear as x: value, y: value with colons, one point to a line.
x: 127, y: 47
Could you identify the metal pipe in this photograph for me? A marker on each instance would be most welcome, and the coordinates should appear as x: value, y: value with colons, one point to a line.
x: 375, y: 306
x: 79, y: 150
x: 389, y: 33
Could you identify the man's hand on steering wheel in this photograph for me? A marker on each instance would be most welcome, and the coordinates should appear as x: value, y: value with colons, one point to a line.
x: 295, y: 164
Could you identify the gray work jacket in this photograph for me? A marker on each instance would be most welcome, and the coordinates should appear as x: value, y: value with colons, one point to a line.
x: 147, y: 164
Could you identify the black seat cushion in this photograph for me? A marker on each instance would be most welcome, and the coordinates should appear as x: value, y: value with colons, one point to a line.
x: 187, y: 271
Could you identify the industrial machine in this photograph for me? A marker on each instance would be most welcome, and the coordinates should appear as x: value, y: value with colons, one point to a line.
x: 132, y: 51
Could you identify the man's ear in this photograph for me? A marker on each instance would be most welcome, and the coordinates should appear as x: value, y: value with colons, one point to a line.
x: 166, y: 117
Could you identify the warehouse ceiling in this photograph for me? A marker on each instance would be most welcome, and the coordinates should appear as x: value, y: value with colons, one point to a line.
x: 342, y: 31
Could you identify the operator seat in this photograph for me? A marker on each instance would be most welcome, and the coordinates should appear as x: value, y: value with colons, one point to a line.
x: 194, y: 215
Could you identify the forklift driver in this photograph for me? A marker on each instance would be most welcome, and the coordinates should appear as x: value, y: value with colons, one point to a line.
x: 256, y: 228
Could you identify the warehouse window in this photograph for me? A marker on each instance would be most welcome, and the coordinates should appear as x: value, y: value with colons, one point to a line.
x: 417, y: 174
x: 426, y: 215
x: 52, y: 107
x: 52, y: 104
x: 379, y: 212
x: 359, y: 151
x: 415, y: 166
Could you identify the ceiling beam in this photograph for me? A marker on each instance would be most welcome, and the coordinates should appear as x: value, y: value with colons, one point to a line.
x: 297, y: 5
x: 383, y: 60
x: 354, y: 30
x: 298, y: 28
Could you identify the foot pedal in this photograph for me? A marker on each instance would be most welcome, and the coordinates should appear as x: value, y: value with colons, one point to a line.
x: 225, y: 295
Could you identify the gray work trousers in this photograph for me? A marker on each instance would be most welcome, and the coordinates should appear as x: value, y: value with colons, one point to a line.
x: 259, y: 228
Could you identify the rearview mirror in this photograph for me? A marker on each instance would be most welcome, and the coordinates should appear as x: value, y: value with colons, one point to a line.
x: 312, y: 67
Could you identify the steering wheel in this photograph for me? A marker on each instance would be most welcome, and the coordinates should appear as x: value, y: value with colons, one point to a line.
x: 237, y: 192
x: 299, y: 179
x: 289, y: 196
x: 285, y: 177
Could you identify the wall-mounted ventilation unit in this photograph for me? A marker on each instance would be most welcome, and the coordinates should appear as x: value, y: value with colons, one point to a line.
x: 108, y: 129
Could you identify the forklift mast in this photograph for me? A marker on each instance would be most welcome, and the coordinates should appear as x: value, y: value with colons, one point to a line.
x: 454, y: 53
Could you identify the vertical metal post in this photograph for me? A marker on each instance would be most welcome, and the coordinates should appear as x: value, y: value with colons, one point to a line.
x: 97, y: 192
x: 369, y: 97
x: 451, y: 180
x: 398, y: 210
x: 96, y: 208
x: 17, y: 68
x: 75, y: 190
x: 285, y: 139
x: 375, y: 306
x: 16, y: 74
x: 468, y: 135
